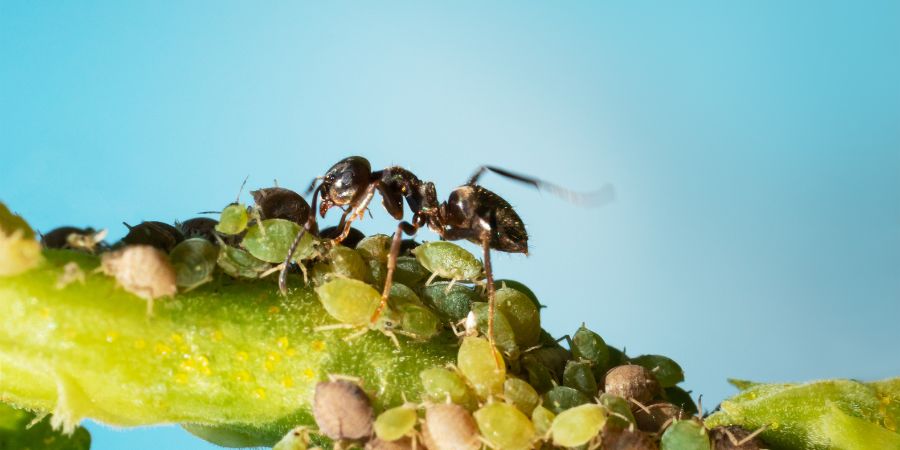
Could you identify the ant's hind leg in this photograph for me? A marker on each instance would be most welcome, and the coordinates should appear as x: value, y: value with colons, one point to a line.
x: 403, y: 227
x: 282, y: 276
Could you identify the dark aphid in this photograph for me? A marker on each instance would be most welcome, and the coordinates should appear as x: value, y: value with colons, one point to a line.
x: 578, y: 376
x: 281, y: 203
x: 561, y: 398
x: 521, y: 287
x: 631, y: 382
x: 450, y: 427
x: 342, y: 410
x: 626, y: 439
x: 539, y: 376
x: 617, y: 357
x: 666, y: 371
x: 353, y: 236
x: 198, y: 227
x: 73, y: 238
x: 155, y: 234
x: 407, y: 246
x: 681, y: 398
x: 453, y: 302
x: 733, y: 437
x: 654, y: 418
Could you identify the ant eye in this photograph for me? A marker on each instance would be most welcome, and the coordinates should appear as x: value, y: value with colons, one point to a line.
x: 346, y: 178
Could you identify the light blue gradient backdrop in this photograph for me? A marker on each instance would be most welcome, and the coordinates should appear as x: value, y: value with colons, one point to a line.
x: 755, y: 146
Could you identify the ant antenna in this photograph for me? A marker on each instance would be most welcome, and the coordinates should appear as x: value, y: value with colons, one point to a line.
x: 312, y: 185
x: 600, y: 197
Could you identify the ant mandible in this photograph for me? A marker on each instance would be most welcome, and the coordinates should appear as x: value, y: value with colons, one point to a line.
x: 471, y: 212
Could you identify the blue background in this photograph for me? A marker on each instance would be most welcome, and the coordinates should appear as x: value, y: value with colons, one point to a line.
x: 755, y: 147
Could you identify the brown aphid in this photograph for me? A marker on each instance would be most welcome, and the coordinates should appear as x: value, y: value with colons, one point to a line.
x: 281, y: 203
x: 733, y: 437
x: 631, y: 381
x: 198, y: 227
x: 59, y: 237
x: 656, y: 417
x: 449, y: 426
x: 625, y: 439
x: 142, y: 270
x: 353, y: 236
x: 343, y: 410
x: 404, y: 443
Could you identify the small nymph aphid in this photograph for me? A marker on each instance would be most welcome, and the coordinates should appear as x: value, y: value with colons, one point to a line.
x: 142, y: 270
x: 342, y: 410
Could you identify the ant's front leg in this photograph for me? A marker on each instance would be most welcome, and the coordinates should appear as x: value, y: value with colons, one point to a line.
x: 410, y: 230
x: 282, y: 276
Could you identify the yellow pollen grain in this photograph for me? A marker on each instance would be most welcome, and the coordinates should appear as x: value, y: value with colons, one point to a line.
x: 290, y: 352
x: 176, y: 338
x: 287, y: 382
x: 259, y: 393
x: 181, y: 378
x: 217, y: 336
x: 274, y: 357
x: 282, y: 342
x: 318, y: 345
x: 774, y: 426
x: 111, y: 336
x: 140, y: 343
x: 162, y: 349
x: 45, y: 312
x: 243, y: 376
x: 188, y: 365
x: 309, y: 374
x: 241, y: 356
x: 274, y: 310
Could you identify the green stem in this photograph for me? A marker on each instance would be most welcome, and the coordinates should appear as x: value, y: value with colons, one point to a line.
x: 231, y: 353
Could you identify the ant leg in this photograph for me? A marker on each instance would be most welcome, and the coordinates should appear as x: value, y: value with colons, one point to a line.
x: 489, y: 276
x: 403, y: 227
x: 355, y: 212
x: 282, y: 276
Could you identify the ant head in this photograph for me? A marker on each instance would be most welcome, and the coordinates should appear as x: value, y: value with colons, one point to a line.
x: 344, y: 181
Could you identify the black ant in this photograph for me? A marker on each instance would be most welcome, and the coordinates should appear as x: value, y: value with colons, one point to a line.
x: 471, y: 212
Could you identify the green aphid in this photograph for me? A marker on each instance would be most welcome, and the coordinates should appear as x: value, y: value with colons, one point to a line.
x: 453, y: 303
x: 561, y: 398
x: 504, y: 427
x: 377, y: 273
x: 554, y: 358
x: 341, y: 262
x: 504, y: 336
x: 667, y: 371
x: 578, y: 375
x: 619, y: 410
x: 403, y: 295
x: 296, y: 439
x: 233, y: 219
x: 194, y: 261
x: 409, y: 271
x: 682, y: 399
x: 521, y: 394
x: 519, y: 286
x: 375, y: 248
x: 523, y: 316
x: 617, y: 357
x: 270, y: 241
x: 448, y: 260
x: 578, y: 426
x: 395, y: 423
x: 542, y: 418
x: 685, y: 435
x: 587, y: 345
x: 239, y: 263
x: 417, y: 321
x: 440, y: 384
x: 482, y: 366
x: 350, y: 301
x: 539, y: 376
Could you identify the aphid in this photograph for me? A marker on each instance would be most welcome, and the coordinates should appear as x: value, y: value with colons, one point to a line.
x: 685, y: 435
x: 654, y: 418
x: 542, y: 418
x: 453, y: 302
x: 471, y: 212
x: 504, y: 336
x: 733, y: 437
x: 156, y: 234
x: 626, y: 439
x: 631, y: 381
x: 539, y: 376
x: 562, y: 398
x: 618, y: 409
x: 578, y: 376
x: 281, y: 203
x: 239, y: 263
x: 477, y: 362
x: 503, y: 426
x: 142, y: 270
x: 449, y: 427
x: 666, y: 371
x: 18, y: 252
x: 681, y: 398
x: 354, y: 236
x: 442, y: 385
x: 578, y: 426
x: 198, y: 227
x: 342, y: 410
x: 506, y: 282
x: 520, y: 394
x: 350, y: 301
x: 405, y: 443
x: 233, y: 219
x: 73, y: 238
x: 194, y: 261
x: 374, y: 248
x: 341, y: 262
x: 523, y: 317
x: 271, y: 239
x: 448, y: 260
x: 587, y: 345
x: 417, y: 321
x: 296, y: 439
x: 396, y: 423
